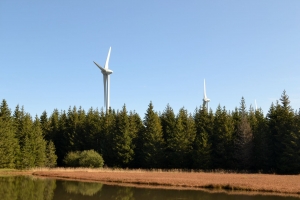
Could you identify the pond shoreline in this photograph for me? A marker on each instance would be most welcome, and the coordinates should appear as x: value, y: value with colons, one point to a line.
x: 229, y: 182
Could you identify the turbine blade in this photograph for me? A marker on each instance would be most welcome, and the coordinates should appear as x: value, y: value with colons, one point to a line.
x: 107, y: 59
x: 102, y: 69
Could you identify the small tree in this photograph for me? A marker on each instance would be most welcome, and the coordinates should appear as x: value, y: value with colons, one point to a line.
x: 51, y: 157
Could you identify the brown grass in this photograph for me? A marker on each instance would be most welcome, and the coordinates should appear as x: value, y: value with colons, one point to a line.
x: 280, y: 184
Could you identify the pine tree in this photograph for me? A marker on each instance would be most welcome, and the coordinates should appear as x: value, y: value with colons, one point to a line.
x: 122, y: 140
x: 243, y: 144
x: 39, y: 144
x: 261, y: 147
x: 72, y: 129
x: 45, y: 126
x: 26, y: 140
x: 202, y: 142
x: 152, y: 140
x: 168, y: 122
x: 222, y: 140
x: 284, y: 137
x: 136, y: 128
x: 243, y: 141
x: 92, y: 130
x: 50, y: 155
x: 109, y: 121
x: 183, y: 139
x: 57, y: 128
x: 9, y: 147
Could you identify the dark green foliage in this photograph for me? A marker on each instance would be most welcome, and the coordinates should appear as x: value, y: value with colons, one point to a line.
x: 136, y: 131
x: 90, y: 158
x: 234, y: 140
x: 152, y: 140
x: 182, y: 140
x: 168, y: 122
x: 72, y: 159
x: 201, y: 156
x: 284, y: 136
x: 108, y: 124
x: 122, y: 140
x: 87, y: 158
x: 39, y: 144
x: 51, y: 157
x: 243, y: 145
x: 9, y: 147
x: 222, y: 140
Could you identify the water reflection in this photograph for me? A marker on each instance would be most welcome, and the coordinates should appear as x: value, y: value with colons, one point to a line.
x: 84, y: 188
x: 22, y: 187
x: 31, y: 188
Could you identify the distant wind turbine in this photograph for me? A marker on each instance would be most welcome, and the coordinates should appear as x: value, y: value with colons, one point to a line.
x: 106, y: 80
x: 255, y: 105
x: 205, y: 99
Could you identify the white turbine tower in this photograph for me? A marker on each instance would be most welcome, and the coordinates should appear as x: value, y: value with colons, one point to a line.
x: 106, y: 80
x: 255, y: 105
x: 205, y: 99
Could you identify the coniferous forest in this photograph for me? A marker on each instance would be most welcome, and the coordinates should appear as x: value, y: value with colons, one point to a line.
x: 239, y: 140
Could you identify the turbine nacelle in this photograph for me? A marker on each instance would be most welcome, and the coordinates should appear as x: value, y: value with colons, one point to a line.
x: 206, y: 100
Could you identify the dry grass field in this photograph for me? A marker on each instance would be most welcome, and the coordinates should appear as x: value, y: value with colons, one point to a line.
x: 281, y: 184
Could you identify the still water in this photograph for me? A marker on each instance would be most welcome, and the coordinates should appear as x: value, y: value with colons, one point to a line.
x: 33, y: 188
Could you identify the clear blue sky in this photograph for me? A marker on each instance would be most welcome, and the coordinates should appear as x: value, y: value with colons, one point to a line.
x: 161, y: 52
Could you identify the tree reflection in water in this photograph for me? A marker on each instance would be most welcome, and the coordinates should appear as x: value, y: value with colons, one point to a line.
x: 31, y: 188
x: 26, y: 188
x: 84, y: 188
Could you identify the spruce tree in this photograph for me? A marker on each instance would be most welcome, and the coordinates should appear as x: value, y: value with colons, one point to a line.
x: 284, y: 136
x: 109, y: 121
x: 168, y: 122
x: 92, y: 130
x: 222, y: 140
x: 136, y: 128
x: 39, y: 144
x: 24, y: 132
x: 51, y: 157
x: 202, y: 143
x: 261, y: 147
x: 122, y: 140
x: 9, y: 147
x: 152, y: 140
x: 243, y: 141
x: 45, y: 126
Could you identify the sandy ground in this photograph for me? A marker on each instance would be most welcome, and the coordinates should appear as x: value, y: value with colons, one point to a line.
x: 281, y: 184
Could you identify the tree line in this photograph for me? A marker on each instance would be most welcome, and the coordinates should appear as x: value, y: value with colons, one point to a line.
x: 240, y: 140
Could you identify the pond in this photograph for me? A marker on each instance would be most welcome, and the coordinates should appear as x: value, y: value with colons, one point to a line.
x: 34, y: 188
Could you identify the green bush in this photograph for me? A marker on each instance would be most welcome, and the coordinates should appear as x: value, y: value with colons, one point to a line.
x: 72, y: 159
x: 87, y: 158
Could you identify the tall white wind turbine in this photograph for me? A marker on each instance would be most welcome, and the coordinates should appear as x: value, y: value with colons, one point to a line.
x: 205, y: 99
x: 106, y: 80
x: 255, y: 105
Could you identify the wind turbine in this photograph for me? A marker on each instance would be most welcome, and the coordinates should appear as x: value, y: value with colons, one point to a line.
x: 255, y: 105
x: 106, y: 80
x: 205, y: 99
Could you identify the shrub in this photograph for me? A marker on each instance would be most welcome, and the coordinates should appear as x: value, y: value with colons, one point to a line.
x: 87, y: 158
x: 90, y: 158
x: 72, y: 159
